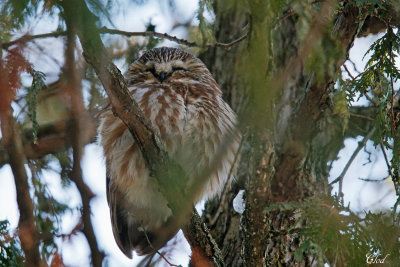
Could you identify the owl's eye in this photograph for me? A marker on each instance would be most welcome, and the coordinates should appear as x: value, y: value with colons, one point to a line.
x: 177, y: 68
x: 152, y: 70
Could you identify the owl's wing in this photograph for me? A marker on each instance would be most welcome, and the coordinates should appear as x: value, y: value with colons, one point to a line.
x: 118, y: 222
x: 127, y: 233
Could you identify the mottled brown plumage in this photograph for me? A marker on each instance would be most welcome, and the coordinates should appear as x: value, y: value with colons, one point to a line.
x: 179, y: 96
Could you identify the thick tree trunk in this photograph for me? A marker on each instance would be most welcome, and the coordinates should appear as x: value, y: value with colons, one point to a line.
x: 222, y: 220
x: 292, y: 157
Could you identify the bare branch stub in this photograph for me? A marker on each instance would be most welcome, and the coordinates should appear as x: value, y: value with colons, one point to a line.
x: 199, y: 236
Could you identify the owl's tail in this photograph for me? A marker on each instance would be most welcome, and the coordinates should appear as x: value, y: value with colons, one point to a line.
x: 131, y: 236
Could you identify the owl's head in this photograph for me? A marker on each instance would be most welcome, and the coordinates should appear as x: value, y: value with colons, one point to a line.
x: 165, y: 65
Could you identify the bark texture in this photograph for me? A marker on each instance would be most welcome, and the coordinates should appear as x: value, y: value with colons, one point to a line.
x: 222, y: 220
x: 306, y: 133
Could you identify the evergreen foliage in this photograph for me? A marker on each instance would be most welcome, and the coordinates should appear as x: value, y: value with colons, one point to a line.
x: 10, y: 249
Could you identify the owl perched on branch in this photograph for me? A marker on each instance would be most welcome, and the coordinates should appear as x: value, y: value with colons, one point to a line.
x: 184, y: 104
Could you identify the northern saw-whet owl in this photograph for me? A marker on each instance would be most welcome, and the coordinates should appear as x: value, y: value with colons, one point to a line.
x: 184, y: 104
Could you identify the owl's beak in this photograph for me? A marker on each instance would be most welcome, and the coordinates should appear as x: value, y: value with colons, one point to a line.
x: 162, y: 76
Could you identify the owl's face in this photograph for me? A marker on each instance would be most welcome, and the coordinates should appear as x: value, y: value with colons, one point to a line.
x: 166, y: 65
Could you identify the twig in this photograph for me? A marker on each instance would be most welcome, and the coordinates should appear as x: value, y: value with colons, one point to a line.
x: 354, y: 78
x: 355, y: 68
x: 73, y: 232
x: 228, y: 45
x: 42, y: 50
x: 379, y: 201
x: 292, y: 12
x: 285, y: 16
x: 374, y: 180
x: 361, y: 116
x: 395, y: 98
x: 391, y: 105
x: 228, y: 183
x: 165, y: 259
x: 368, y: 158
x: 158, y: 253
x: 386, y: 159
x: 353, y: 156
x: 105, y: 30
x: 27, y: 38
x: 371, y: 100
x: 348, y: 72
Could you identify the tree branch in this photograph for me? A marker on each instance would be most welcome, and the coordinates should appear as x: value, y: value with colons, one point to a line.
x: 386, y: 159
x: 254, y: 220
x: 105, y: 30
x: 171, y: 178
x: 77, y: 110
x: 27, y: 232
x: 27, y: 38
x: 262, y: 152
x: 125, y: 107
x: 172, y: 38
x: 306, y: 103
x: 52, y: 138
x: 353, y: 156
x: 205, y: 251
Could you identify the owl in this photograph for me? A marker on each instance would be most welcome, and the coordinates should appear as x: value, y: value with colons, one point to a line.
x: 184, y: 104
